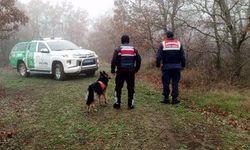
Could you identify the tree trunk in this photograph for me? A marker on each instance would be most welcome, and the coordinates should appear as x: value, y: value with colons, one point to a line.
x: 174, y: 13
x: 237, y: 63
x: 237, y: 58
x: 217, y: 39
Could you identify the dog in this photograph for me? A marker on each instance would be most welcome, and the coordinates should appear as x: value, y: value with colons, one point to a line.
x: 97, y: 88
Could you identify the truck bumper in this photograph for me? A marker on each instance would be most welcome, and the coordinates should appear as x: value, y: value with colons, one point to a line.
x: 80, y: 69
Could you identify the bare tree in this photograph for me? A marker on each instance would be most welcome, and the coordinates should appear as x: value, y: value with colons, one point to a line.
x: 10, y: 18
x: 238, y: 28
x: 216, y: 20
x: 60, y: 20
x: 147, y: 19
x: 103, y: 38
x: 204, y: 20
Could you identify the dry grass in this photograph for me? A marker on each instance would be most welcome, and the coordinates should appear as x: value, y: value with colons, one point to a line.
x: 197, y: 79
x: 191, y: 79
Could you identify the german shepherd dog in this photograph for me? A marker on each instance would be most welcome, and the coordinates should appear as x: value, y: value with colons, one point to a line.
x: 97, y: 88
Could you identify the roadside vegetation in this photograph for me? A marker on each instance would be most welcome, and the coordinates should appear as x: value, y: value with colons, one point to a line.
x: 41, y: 113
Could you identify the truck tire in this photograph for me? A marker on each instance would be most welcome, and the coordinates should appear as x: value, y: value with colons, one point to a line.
x: 22, y: 69
x: 58, y: 72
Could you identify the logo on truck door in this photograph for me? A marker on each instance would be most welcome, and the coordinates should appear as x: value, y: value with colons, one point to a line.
x: 30, y: 60
x: 30, y: 55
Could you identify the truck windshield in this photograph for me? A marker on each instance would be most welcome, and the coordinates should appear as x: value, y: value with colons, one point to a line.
x: 61, y: 45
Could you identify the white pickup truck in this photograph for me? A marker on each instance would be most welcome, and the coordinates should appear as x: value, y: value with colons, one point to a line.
x: 53, y: 56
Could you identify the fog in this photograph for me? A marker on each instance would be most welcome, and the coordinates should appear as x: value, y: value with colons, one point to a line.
x: 215, y: 34
x: 94, y: 8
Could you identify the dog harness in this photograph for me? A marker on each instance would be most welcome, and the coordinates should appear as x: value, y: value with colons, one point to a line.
x: 103, y: 86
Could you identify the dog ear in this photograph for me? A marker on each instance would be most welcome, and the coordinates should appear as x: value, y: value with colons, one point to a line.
x: 106, y: 75
x: 101, y: 74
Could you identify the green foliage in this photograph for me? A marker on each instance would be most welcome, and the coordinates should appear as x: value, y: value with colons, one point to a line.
x: 234, y: 102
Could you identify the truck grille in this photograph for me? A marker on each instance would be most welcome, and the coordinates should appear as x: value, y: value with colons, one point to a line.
x: 88, y: 62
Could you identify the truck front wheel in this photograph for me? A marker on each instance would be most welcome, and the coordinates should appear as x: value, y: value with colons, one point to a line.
x: 22, y: 69
x: 58, y: 72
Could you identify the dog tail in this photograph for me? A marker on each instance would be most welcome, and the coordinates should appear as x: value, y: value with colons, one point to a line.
x: 90, y: 95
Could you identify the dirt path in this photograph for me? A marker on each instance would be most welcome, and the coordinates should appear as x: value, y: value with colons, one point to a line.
x: 162, y: 137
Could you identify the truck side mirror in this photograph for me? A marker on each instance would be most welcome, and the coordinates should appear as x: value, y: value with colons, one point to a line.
x: 44, y: 50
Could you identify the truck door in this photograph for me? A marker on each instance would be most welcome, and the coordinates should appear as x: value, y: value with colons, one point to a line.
x: 12, y: 57
x: 18, y: 52
x: 31, y: 55
x: 44, y: 57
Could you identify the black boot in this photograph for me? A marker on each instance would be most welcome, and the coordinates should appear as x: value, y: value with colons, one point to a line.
x: 165, y: 101
x: 131, y: 99
x: 131, y: 107
x: 175, y: 101
x: 130, y: 104
x: 117, y: 105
